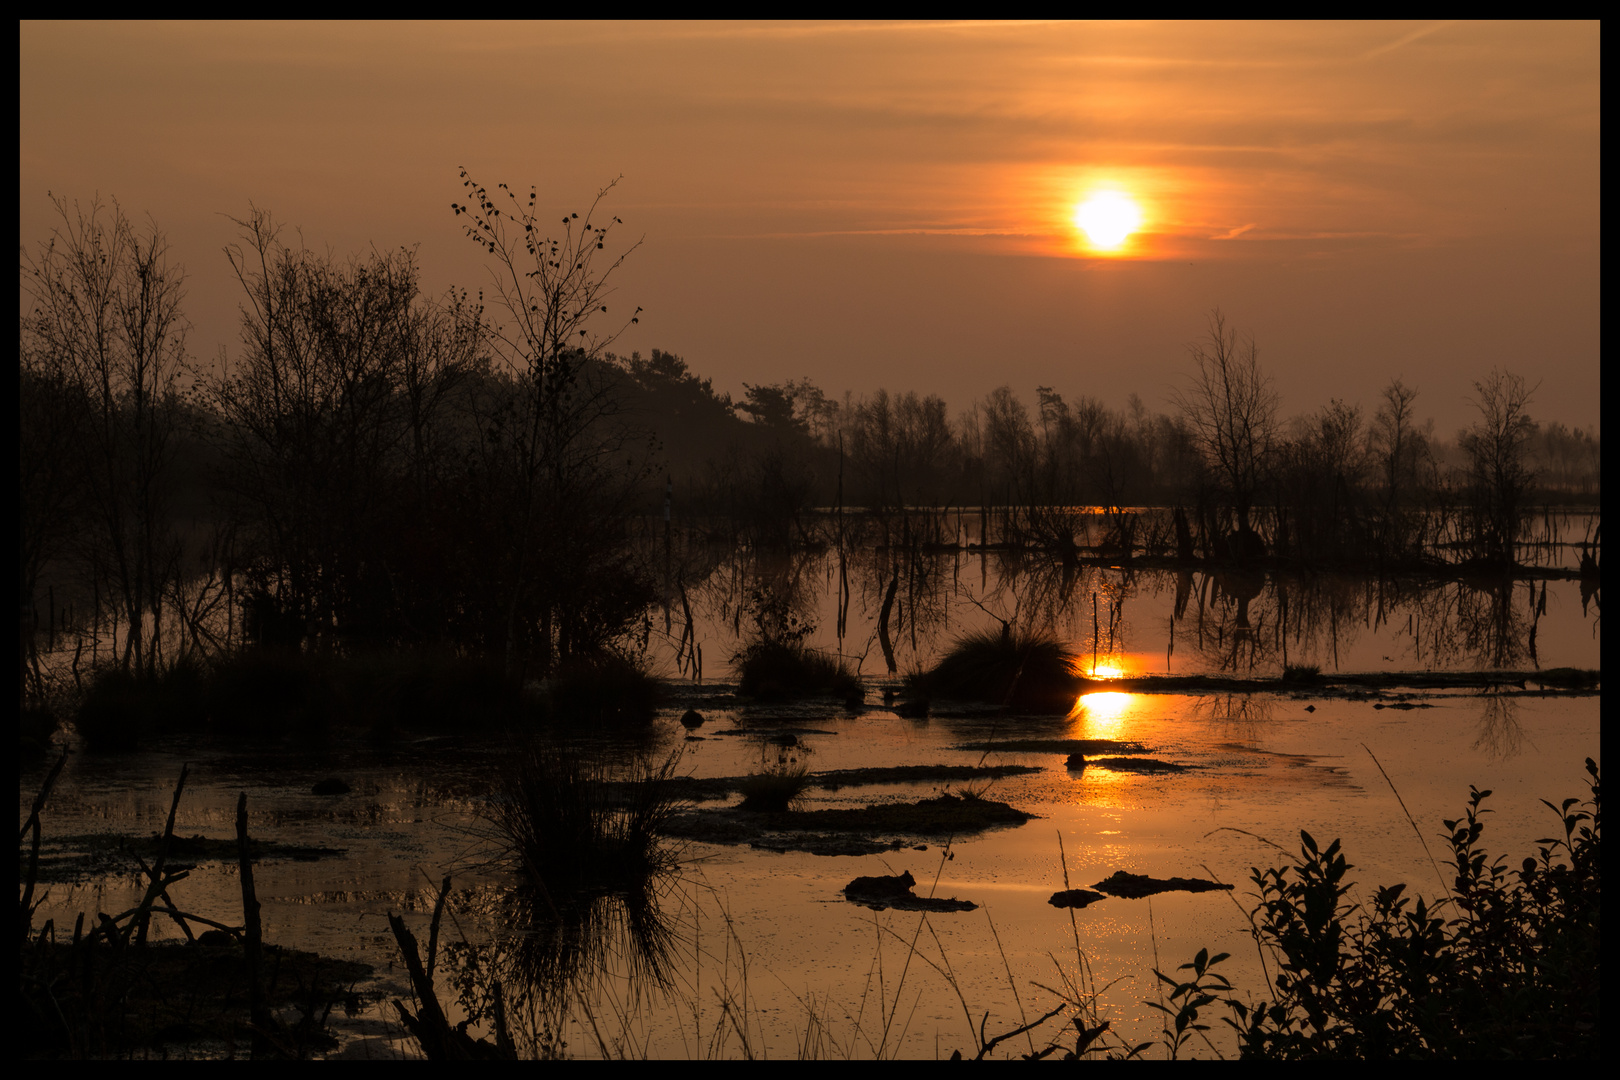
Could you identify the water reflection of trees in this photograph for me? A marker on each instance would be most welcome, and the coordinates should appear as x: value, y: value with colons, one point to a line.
x: 1082, y: 605
x: 1246, y: 623
x: 1500, y: 734
x: 917, y: 597
x: 1235, y: 716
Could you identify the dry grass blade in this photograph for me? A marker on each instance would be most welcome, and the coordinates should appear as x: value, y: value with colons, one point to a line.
x: 1444, y: 887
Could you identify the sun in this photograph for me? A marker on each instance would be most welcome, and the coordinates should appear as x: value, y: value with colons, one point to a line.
x: 1108, y: 219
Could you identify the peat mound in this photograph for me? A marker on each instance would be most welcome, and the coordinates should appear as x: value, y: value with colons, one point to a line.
x: 1136, y: 886
x: 942, y: 815
x: 897, y: 892
x: 706, y: 789
x: 867, y: 830
x: 1130, y: 887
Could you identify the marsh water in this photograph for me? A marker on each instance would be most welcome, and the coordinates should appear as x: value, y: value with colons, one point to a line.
x: 768, y: 957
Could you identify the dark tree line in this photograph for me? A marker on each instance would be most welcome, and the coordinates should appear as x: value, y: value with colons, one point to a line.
x: 374, y: 467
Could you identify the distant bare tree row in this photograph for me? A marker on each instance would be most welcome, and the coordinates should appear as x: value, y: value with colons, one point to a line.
x: 1330, y: 488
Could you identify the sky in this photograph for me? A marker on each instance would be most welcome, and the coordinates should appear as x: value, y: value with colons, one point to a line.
x: 893, y: 205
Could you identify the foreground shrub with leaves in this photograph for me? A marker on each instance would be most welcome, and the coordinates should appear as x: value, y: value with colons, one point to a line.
x: 1514, y: 972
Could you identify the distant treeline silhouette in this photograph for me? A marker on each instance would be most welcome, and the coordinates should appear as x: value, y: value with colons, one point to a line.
x: 371, y: 466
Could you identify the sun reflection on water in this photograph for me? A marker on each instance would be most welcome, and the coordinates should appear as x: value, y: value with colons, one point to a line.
x: 1101, y: 715
x: 1097, y: 715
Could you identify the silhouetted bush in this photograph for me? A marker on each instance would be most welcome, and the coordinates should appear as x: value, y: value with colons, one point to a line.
x: 1516, y: 972
x: 604, y: 688
x: 269, y: 693
x: 1029, y: 671
x: 122, y: 707
x: 254, y: 693
x: 778, y: 669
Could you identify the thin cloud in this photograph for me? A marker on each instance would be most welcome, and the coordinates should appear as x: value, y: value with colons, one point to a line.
x: 1405, y: 39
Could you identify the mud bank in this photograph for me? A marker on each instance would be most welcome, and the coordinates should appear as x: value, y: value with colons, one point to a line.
x: 864, y: 831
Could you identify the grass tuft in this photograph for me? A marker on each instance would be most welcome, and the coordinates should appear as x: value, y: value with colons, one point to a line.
x: 603, y: 689
x: 775, y: 791
x: 771, y: 670
x: 571, y: 828
x: 1301, y: 673
x: 1028, y: 671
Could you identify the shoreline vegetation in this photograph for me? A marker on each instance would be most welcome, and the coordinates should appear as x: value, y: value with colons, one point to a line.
x: 381, y: 471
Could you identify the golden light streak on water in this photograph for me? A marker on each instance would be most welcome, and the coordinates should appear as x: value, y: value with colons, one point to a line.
x: 1101, y: 715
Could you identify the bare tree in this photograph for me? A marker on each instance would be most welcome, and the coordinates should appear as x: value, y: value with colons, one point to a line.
x: 329, y: 412
x: 106, y: 322
x: 1499, y: 474
x: 1231, y: 408
x: 566, y: 463
x: 52, y: 499
x: 1068, y: 446
x: 1401, y: 450
x: 900, y: 445
x: 1319, y: 486
x: 1010, y: 443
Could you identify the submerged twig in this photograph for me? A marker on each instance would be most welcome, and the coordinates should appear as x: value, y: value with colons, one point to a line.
x: 26, y: 906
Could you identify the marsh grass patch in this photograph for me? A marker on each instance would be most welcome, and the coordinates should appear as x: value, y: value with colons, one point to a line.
x: 775, y: 790
x: 1030, y: 671
x: 772, y: 670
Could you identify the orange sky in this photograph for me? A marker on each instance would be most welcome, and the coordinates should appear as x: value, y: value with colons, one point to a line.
x: 876, y: 205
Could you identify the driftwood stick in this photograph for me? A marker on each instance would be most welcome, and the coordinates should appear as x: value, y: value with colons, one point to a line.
x: 433, y: 929
x: 429, y: 1024
x: 883, y: 620
x: 183, y: 917
x: 253, y: 934
x: 440, y: 1041
x: 503, y: 1035
x: 155, y: 885
x: 113, y: 923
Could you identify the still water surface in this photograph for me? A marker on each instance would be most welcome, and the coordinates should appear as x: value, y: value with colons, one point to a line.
x: 1262, y: 766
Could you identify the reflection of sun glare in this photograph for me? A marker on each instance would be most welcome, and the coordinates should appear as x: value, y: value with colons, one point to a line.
x: 1108, y: 219
x: 1102, y: 713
